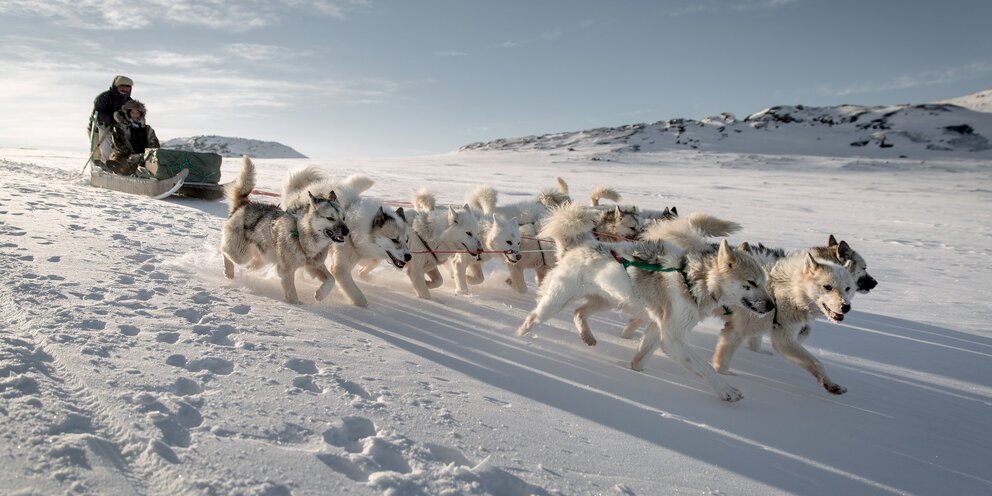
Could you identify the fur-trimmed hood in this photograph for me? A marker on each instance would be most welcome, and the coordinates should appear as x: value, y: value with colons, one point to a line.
x: 122, y: 115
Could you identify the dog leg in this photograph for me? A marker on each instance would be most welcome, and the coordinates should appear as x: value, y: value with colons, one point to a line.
x: 516, y: 279
x: 228, y: 267
x: 319, y: 270
x: 593, y: 304
x: 559, y: 292
x: 674, y: 332
x: 288, y: 277
x: 632, y: 325
x: 416, y: 275
x: 474, y: 274
x: 434, y: 279
x: 367, y: 269
x: 341, y: 270
x: 785, y: 343
x: 459, y: 267
x: 726, y: 346
x: 649, y: 342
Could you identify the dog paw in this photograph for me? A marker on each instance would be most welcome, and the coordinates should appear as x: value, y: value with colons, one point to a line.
x: 637, y: 366
x: 361, y: 302
x: 730, y: 394
x: 588, y: 339
x: 834, y: 388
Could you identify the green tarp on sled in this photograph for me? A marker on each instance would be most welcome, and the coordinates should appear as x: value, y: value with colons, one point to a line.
x: 203, y: 167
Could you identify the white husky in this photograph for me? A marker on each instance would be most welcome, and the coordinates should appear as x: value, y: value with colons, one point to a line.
x: 536, y: 254
x: 436, y: 235
x: 377, y: 232
x: 677, y: 287
x: 499, y: 236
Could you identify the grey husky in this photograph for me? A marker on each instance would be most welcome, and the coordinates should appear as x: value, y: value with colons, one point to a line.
x: 840, y: 253
x: 675, y: 286
x: 377, y: 232
x: 258, y: 234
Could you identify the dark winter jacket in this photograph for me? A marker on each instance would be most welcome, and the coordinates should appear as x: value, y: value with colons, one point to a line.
x: 130, y: 136
x: 107, y: 103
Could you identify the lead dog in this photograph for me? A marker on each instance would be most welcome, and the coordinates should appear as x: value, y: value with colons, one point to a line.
x: 377, y: 232
x: 802, y: 285
x: 838, y: 252
x: 258, y: 234
x: 624, y: 274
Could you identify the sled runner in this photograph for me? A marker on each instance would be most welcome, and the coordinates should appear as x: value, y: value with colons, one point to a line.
x: 155, y: 188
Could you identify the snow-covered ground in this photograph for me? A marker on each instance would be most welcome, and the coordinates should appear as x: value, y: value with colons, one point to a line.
x: 129, y: 365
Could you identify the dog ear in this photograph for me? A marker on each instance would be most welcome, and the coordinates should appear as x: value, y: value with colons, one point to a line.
x: 812, y: 266
x: 844, y: 251
x: 313, y: 199
x: 744, y: 246
x: 725, y: 257
x: 452, y: 215
x: 831, y: 241
x: 675, y: 212
x: 399, y: 211
x: 332, y: 197
x: 380, y: 218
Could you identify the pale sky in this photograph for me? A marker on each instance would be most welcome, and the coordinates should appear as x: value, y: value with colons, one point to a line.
x: 362, y: 78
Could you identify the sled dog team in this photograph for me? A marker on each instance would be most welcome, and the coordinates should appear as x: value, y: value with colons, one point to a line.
x: 664, y: 270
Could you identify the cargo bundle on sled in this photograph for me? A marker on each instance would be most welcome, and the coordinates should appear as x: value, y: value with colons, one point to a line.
x: 166, y: 172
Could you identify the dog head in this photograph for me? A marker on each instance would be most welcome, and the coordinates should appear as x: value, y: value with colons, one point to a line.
x: 504, y: 236
x: 854, y: 262
x: 619, y: 223
x: 741, y: 279
x: 462, y: 230
x: 327, y: 217
x: 389, y: 233
x: 828, y: 286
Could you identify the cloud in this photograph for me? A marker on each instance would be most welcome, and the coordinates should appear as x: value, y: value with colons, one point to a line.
x: 259, y: 53
x: 553, y: 34
x: 450, y: 53
x: 739, y: 5
x: 927, y: 78
x: 228, y: 15
x: 512, y: 44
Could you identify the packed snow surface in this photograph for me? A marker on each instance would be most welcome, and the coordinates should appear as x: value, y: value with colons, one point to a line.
x: 130, y: 365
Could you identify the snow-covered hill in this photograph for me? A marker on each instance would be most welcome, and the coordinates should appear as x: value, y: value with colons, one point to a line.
x: 979, y: 102
x: 233, y: 147
x: 907, y: 131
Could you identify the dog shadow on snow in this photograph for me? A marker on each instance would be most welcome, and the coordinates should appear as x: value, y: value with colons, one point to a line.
x: 786, y: 431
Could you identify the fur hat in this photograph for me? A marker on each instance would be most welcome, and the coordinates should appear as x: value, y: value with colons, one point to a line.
x: 134, y: 104
x: 122, y: 81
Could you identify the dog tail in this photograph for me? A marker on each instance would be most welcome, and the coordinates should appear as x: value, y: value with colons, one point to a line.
x: 299, y: 180
x: 603, y: 193
x: 358, y: 182
x: 424, y: 201
x: 482, y: 199
x: 569, y: 224
x: 237, y: 192
x: 690, y: 232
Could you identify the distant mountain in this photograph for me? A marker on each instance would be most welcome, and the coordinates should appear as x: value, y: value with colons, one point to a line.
x: 233, y: 147
x: 979, y: 102
x: 915, y: 131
